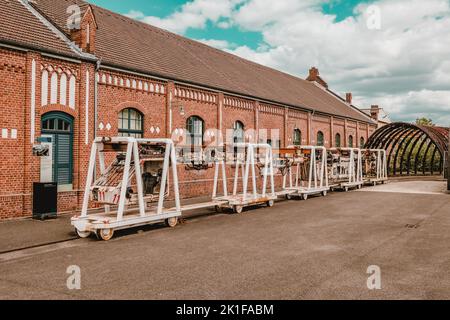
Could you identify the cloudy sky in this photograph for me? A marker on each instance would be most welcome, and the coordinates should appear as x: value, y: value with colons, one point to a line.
x: 394, y: 53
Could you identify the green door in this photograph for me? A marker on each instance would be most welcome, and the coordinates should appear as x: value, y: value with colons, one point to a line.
x: 60, y: 126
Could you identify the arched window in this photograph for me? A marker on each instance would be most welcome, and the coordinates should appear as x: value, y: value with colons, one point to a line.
x: 350, y: 141
x: 238, y: 132
x: 361, y: 142
x: 131, y: 123
x: 337, y: 140
x: 320, y: 141
x: 195, y: 130
x: 297, y: 138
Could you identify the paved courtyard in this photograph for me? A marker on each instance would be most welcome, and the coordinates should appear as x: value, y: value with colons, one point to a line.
x: 315, y: 249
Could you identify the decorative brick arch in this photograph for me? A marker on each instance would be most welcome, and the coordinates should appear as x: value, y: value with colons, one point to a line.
x: 60, y: 108
x: 129, y: 104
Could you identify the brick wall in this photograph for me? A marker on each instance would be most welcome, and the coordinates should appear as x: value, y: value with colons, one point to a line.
x: 165, y: 106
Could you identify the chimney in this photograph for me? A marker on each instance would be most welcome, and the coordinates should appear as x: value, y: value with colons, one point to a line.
x: 348, y: 97
x: 315, y: 77
x: 313, y: 74
x: 84, y: 35
x: 374, y: 112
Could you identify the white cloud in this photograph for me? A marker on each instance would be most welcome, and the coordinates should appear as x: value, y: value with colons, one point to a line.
x: 404, y: 67
x: 219, y: 44
x: 194, y: 14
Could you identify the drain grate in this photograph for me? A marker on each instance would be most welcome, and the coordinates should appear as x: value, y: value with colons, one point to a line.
x: 412, y: 226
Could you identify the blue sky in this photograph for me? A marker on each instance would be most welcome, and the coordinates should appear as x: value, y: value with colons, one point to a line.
x: 400, y: 63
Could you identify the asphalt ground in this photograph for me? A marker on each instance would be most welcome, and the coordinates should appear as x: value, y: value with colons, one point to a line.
x: 315, y: 249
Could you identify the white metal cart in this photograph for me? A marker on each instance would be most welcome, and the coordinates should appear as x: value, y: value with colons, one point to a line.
x: 345, y: 168
x: 310, y: 176
x: 237, y: 201
x: 115, y: 189
x: 375, y: 166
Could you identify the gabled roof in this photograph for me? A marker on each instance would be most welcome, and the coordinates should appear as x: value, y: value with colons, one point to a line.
x: 136, y: 46
x: 21, y: 25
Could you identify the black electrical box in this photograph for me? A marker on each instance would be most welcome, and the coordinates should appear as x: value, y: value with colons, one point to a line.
x: 45, y: 200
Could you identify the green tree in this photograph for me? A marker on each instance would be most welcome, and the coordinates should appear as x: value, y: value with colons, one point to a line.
x: 424, y: 121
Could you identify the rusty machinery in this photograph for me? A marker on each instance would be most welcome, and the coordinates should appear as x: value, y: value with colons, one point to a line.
x: 374, y: 166
x: 345, y: 168
x: 304, y: 170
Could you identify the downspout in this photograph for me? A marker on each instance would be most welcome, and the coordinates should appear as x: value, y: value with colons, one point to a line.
x: 97, y: 68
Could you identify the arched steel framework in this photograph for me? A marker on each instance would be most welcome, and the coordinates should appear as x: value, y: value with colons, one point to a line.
x: 411, y: 148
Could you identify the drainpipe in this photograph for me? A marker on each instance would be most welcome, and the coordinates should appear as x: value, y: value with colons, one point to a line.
x: 97, y: 68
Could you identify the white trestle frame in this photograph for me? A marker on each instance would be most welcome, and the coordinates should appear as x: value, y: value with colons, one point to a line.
x: 126, y: 215
x: 237, y: 201
x: 317, y: 182
x: 379, y: 156
x: 219, y: 172
x: 351, y: 175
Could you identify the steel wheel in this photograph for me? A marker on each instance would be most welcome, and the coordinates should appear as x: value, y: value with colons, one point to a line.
x: 171, y: 222
x: 305, y: 196
x: 270, y: 203
x: 288, y: 197
x: 238, y: 209
x: 83, y: 234
x: 324, y: 193
x: 345, y: 189
x: 106, y: 234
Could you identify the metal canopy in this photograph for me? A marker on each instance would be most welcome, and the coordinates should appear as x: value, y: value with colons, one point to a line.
x: 412, y: 149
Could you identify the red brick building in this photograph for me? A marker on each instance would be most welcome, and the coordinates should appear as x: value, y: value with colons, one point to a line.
x: 105, y: 75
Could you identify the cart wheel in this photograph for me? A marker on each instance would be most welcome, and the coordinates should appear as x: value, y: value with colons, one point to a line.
x: 324, y: 193
x: 219, y: 209
x: 171, y: 222
x: 288, y: 197
x: 270, y: 203
x: 238, y: 209
x: 359, y: 186
x: 305, y: 196
x: 332, y: 189
x: 106, y: 234
x: 346, y: 189
x: 83, y: 234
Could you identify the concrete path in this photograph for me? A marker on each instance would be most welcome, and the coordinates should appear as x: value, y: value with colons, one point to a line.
x: 314, y: 249
x: 405, y: 186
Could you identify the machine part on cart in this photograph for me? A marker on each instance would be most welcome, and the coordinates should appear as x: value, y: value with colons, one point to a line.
x: 203, y: 159
x: 307, y: 174
x: 345, y: 168
x: 374, y: 166
x: 121, y: 185
x: 237, y: 201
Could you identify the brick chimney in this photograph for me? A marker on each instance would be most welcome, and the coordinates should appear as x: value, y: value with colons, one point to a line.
x: 84, y: 36
x: 374, y: 112
x: 314, y: 76
x: 348, y: 97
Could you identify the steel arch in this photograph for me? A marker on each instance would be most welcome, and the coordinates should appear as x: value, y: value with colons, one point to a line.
x: 397, y: 137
